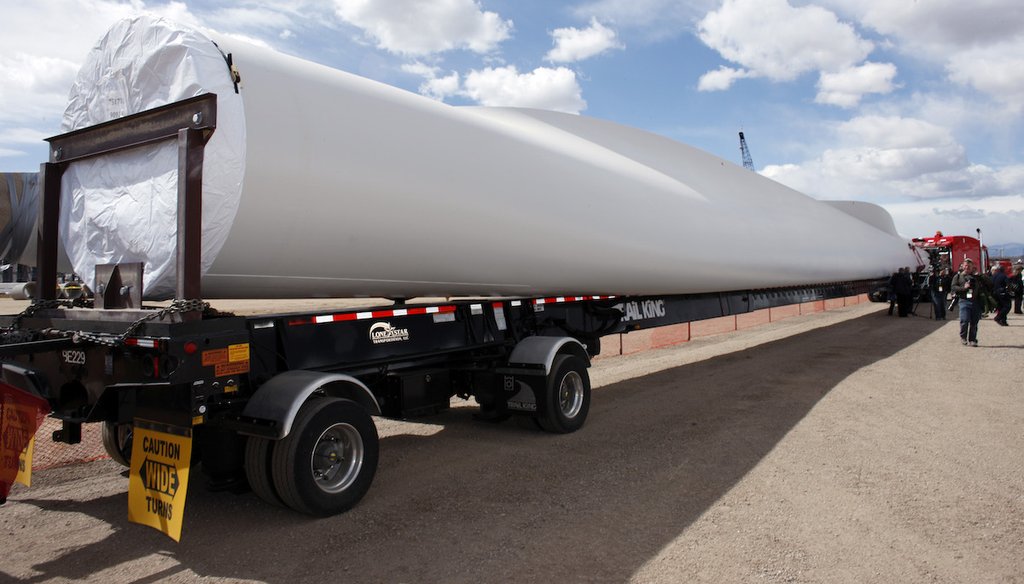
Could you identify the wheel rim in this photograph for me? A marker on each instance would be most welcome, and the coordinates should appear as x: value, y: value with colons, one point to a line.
x: 570, y: 394
x: 125, y: 434
x: 337, y: 458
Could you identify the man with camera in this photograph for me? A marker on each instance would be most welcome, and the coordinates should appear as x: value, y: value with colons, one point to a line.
x: 967, y: 286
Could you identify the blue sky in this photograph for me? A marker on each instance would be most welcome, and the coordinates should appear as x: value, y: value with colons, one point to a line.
x: 915, y: 105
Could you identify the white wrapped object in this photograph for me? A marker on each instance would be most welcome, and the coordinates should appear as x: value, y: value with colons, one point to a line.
x: 123, y: 207
x: 19, y: 199
x: 328, y: 184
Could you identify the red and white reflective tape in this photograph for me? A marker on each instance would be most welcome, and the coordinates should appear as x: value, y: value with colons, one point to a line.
x: 476, y: 309
x: 561, y: 299
x: 369, y: 315
x: 144, y: 343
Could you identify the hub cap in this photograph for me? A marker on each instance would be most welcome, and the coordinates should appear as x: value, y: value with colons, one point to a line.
x: 570, y: 394
x: 337, y: 458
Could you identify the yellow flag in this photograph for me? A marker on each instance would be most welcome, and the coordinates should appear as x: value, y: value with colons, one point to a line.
x: 21, y: 413
x: 25, y: 464
x: 158, y: 481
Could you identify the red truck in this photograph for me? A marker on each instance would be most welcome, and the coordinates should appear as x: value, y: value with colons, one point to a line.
x: 949, y: 251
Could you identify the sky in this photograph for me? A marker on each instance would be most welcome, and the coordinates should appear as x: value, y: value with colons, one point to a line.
x: 916, y: 105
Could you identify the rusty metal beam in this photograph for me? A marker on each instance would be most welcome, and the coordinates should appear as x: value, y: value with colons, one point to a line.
x: 191, y: 145
x: 161, y: 123
x: 191, y: 122
x: 49, y: 222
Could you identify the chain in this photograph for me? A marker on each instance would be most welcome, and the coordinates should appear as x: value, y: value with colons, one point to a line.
x: 34, y: 308
x: 176, y: 307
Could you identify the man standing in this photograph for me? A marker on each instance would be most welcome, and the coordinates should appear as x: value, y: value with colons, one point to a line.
x: 904, y: 288
x: 966, y: 286
x: 938, y: 285
x: 1002, y: 294
x: 1016, y: 286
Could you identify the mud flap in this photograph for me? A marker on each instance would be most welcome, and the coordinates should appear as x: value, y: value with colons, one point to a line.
x: 158, y: 482
x: 21, y: 414
x: 520, y: 394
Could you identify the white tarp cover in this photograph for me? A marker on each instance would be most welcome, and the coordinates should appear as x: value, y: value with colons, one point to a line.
x: 19, y: 199
x: 123, y: 207
x: 355, y: 188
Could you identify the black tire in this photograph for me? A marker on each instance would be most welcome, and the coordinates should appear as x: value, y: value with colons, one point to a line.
x: 259, y: 470
x: 117, y: 441
x: 567, y: 399
x: 326, y: 463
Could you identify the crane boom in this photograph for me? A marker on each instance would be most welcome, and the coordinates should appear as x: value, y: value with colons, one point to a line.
x: 748, y: 163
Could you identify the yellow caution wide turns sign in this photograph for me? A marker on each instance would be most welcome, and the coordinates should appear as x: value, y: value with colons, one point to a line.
x: 159, y: 476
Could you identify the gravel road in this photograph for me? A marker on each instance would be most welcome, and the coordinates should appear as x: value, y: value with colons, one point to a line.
x: 845, y: 446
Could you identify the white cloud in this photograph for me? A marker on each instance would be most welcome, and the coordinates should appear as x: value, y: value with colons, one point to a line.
x: 879, y: 158
x: 248, y: 17
x: 423, y: 27
x: 999, y: 218
x: 441, y: 87
x: 996, y: 70
x: 773, y: 39
x: 34, y: 85
x: 654, y: 19
x: 434, y: 87
x: 938, y: 26
x: 721, y: 78
x: 22, y: 136
x: 574, y: 44
x: 421, y: 69
x: 980, y: 43
x: 543, y: 88
x: 38, y: 64
x: 892, y: 132
x: 846, y: 87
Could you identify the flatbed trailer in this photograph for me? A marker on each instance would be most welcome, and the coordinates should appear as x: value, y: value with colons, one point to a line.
x: 285, y: 402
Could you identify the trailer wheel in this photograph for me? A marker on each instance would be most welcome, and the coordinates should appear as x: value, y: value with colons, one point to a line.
x: 117, y: 441
x: 326, y: 463
x: 567, y: 400
x: 259, y: 470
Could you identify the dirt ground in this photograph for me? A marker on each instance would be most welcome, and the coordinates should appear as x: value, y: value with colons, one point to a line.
x: 845, y: 446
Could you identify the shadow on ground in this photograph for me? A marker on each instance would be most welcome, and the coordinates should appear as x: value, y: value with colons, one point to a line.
x: 507, y: 503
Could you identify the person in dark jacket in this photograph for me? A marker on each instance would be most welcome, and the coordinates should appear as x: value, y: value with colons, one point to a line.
x: 1017, y: 288
x: 904, y: 289
x: 938, y: 286
x: 1001, y: 293
x: 892, y: 291
x: 967, y: 286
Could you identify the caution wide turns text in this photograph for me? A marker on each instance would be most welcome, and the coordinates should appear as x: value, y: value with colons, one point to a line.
x: 159, y: 476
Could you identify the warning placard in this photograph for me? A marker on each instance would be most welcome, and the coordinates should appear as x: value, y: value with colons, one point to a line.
x: 20, y: 415
x: 233, y: 360
x: 215, y: 357
x: 159, y: 476
x: 231, y: 369
x: 238, y: 353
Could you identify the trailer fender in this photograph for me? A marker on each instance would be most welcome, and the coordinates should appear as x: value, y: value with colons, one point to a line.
x: 540, y: 350
x: 280, y: 398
